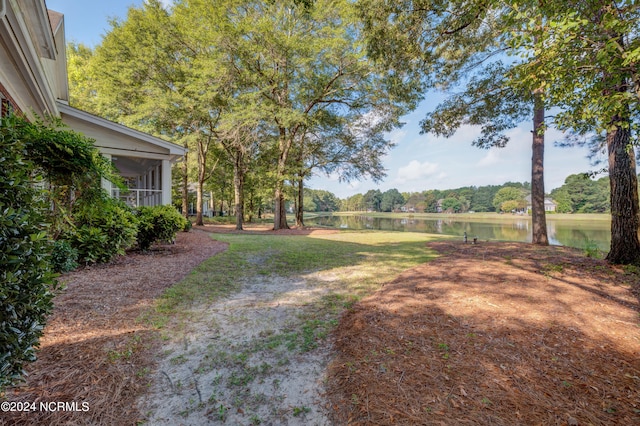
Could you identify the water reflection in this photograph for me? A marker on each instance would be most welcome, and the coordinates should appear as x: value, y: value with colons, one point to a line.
x: 566, y: 232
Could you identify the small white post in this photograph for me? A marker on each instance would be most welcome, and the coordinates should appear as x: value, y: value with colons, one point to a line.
x: 166, y: 182
x: 107, y: 185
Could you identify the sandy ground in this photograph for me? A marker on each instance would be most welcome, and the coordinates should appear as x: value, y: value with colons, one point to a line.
x: 241, y: 361
x: 494, y: 333
x: 228, y: 368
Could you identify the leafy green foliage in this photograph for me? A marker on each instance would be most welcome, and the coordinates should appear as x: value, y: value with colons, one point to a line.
x: 581, y: 194
x: 391, y: 200
x: 372, y: 199
x: 509, y: 198
x: 316, y: 200
x: 91, y: 244
x: 66, y: 157
x: 81, y: 76
x: 26, y: 280
x: 69, y: 163
x: 64, y: 257
x: 488, y: 102
x: 451, y: 205
x: 463, y: 199
x: 282, y: 83
x: 586, y: 60
x: 159, y: 223
x: 105, y: 227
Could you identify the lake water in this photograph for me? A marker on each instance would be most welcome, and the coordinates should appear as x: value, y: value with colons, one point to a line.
x: 560, y: 232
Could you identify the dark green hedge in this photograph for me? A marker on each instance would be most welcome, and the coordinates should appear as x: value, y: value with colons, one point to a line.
x: 27, y: 282
x: 160, y: 223
x: 104, y: 227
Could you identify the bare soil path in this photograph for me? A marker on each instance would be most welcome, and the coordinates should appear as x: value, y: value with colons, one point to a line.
x: 94, y: 349
x: 238, y: 363
x: 494, y: 333
x: 244, y: 359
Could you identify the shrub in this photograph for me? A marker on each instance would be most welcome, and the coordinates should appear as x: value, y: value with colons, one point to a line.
x: 105, y: 227
x: 70, y: 163
x: 92, y: 245
x: 159, y: 223
x: 27, y: 282
x: 64, y: 258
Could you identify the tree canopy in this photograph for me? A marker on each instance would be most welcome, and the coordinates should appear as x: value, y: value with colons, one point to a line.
x: 240, y: 80
x: 578, y: 57
x: 294, y: 88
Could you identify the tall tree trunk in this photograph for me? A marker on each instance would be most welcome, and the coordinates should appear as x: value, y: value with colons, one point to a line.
x: 223, y: 185
x: 280, y: 211
x: 625, y: 245
x: 538, y: 213
x: 251, y: 207
x: 185, y: 186
x: 300, y: 203
x: 200, y: 187
x: 238, y: 189
x: 199, y: 202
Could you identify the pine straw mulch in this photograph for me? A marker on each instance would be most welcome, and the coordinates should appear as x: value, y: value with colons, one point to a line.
x: 493, y: 334
x: 94, y: 348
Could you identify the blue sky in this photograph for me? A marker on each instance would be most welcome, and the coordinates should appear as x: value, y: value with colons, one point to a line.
x: 418, y: 162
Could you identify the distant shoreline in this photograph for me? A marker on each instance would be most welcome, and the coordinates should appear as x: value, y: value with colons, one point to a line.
x: 470, y: 216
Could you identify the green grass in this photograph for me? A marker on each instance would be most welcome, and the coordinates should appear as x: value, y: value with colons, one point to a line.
x: 362, y: 261
x: 345, y: 265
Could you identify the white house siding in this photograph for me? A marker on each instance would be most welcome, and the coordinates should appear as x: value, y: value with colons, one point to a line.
x: 143, y: 160
x: 33, y: 82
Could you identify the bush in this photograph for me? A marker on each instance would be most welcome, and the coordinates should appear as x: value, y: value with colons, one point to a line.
x: 92, y: 245
x: 159, y: 223
x: 105, y: 227
x: 64, y: 258
x: 26, y: 280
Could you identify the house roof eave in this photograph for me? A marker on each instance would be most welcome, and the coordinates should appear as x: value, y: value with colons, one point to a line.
x: 174, y: 150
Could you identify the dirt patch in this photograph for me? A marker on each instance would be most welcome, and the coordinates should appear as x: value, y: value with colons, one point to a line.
x: 94, y: 350
x: 244, y: 360
x: 252, y: 358
x: 494, y: 333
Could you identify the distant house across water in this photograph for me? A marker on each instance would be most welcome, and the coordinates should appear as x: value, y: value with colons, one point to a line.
x: 549, y: 204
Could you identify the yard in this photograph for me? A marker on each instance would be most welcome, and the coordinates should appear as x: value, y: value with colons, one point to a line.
x: 324, y: 327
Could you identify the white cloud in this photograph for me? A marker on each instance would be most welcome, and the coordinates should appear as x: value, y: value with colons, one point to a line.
x: 491, y: 159
x: 416, y: 170
x: 396, y: 136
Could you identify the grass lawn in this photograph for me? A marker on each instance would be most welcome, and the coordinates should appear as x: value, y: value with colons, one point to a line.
x: 259, y: 314
x: 361, y: 261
